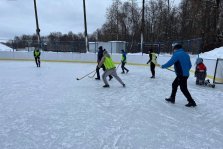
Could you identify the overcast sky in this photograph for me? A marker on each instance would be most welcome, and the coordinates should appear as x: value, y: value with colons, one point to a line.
x: 17, y: 16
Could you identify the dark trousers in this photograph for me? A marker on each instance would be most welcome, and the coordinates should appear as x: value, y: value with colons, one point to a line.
x: 182, y: 82
x: 98, y: 73
x: 152, y: 68
x: 37, y: 59
x: 123, y: 67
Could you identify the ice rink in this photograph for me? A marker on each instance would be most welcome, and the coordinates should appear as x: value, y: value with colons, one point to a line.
x: 47, y: 108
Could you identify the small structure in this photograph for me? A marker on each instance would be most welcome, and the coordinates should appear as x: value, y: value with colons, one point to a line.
x: 110, y: 46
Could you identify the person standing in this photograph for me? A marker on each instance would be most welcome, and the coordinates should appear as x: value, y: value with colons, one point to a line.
x: 123, y: 61
x: 36, y: 54
x: 110, y: 69
x: 100, y: 55
x: 152, y: 61
x: 182, y: 66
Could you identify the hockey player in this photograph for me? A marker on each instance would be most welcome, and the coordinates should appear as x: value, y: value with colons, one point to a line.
x: 182, y: 66
x: 200, y: 72
x: 152, y: 61
x: 100, y: 55
x: 110, y: 68
x: 123, y: 61
x: 36, y: 54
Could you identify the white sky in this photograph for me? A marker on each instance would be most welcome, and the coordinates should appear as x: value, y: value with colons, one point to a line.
x: 17, y: 16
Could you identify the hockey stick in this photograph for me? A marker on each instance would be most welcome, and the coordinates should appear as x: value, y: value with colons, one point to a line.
x: 92, y: 75
x: 170, y: 69
x: 85, y: 75
x: 118, y: 65
x: 166, y: 68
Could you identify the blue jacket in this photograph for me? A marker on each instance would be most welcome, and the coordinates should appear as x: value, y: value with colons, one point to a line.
x: 181, y: 62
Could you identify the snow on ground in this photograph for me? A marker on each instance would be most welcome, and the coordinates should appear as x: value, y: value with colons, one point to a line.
x: 214, y: 54
x: 47, y: 108
x: 5, y: 48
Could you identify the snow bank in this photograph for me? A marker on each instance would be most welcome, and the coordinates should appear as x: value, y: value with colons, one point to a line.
x: 5, y: 48
x: 214, y: 54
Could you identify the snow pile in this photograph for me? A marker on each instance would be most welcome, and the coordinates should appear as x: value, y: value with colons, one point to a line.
x: 5, y: 48
x: 214, y: 54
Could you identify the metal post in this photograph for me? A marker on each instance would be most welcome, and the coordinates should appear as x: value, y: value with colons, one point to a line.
x: 142, y: 25
x: 37, y: 23
x: 85, y: 28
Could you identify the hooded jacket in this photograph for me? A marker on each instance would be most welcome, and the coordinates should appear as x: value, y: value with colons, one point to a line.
x: 181, y: 62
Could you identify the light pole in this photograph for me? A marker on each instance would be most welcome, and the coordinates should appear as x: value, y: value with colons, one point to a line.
x: 142, y: 25
x: 37, y: 24
x: 85, y: 28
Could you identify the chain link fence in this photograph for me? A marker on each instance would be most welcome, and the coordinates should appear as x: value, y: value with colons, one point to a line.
x: 192, y: 46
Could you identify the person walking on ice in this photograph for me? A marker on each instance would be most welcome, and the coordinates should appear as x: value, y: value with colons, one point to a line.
x: 36, y: 54
x: 110, y: 69
x: 152, y: 61
x: 123, y: 61
x: 182, y: 66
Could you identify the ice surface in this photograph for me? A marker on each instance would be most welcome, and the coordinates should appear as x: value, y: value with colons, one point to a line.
x: 47, y: 108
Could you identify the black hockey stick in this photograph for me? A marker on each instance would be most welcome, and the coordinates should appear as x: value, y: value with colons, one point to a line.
x: 170, y: 69
x: 166, y: 68
x: 85, y: 75
x: 118, y: 65
x: 92, y: 75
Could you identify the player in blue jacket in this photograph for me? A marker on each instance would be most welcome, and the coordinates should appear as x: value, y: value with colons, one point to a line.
x: 182, y: 66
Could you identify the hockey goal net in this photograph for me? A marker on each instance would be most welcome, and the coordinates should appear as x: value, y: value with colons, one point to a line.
x: 218, y: 74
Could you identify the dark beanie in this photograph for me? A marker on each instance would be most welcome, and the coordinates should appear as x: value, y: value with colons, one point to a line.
x: 100, y: 48
x: 177, y: 46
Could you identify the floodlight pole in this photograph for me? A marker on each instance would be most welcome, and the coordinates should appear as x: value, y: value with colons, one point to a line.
x: 85, y: 28
x: 142, y: 25
x: 37, y: 23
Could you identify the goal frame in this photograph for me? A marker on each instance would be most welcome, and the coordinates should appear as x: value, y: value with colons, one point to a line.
x: 215, y: 72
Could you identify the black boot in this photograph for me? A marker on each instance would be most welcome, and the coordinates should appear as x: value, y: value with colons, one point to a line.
x: 110, y: 78
x: 191, y: 104
x: 171, y: 100
x: 106, y: 86
x: 97, y: 78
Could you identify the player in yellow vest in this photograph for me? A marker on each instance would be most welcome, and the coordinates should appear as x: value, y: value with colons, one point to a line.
x: 152, y: 61
x: 36, y: 54
x: 110, y: 69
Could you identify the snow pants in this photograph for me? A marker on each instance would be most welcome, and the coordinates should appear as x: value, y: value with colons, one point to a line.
x: 152, y: 68
x: 123, y: 67
x: 98, y: 73
x: 113, y: 73
x: 182, y: 82
x: 37, y: 59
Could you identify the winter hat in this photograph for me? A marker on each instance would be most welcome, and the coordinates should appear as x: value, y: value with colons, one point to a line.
x: 198, y: 61
x: 177, y: 46
x: 100, y: 48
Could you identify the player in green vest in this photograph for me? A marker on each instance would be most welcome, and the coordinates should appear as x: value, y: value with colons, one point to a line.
x: 110, y: 69
x: 36, y: 54
x: 152, y: 61
x: 123, y: 61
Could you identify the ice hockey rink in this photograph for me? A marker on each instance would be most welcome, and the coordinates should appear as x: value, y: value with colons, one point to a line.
x: 47, y: 108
